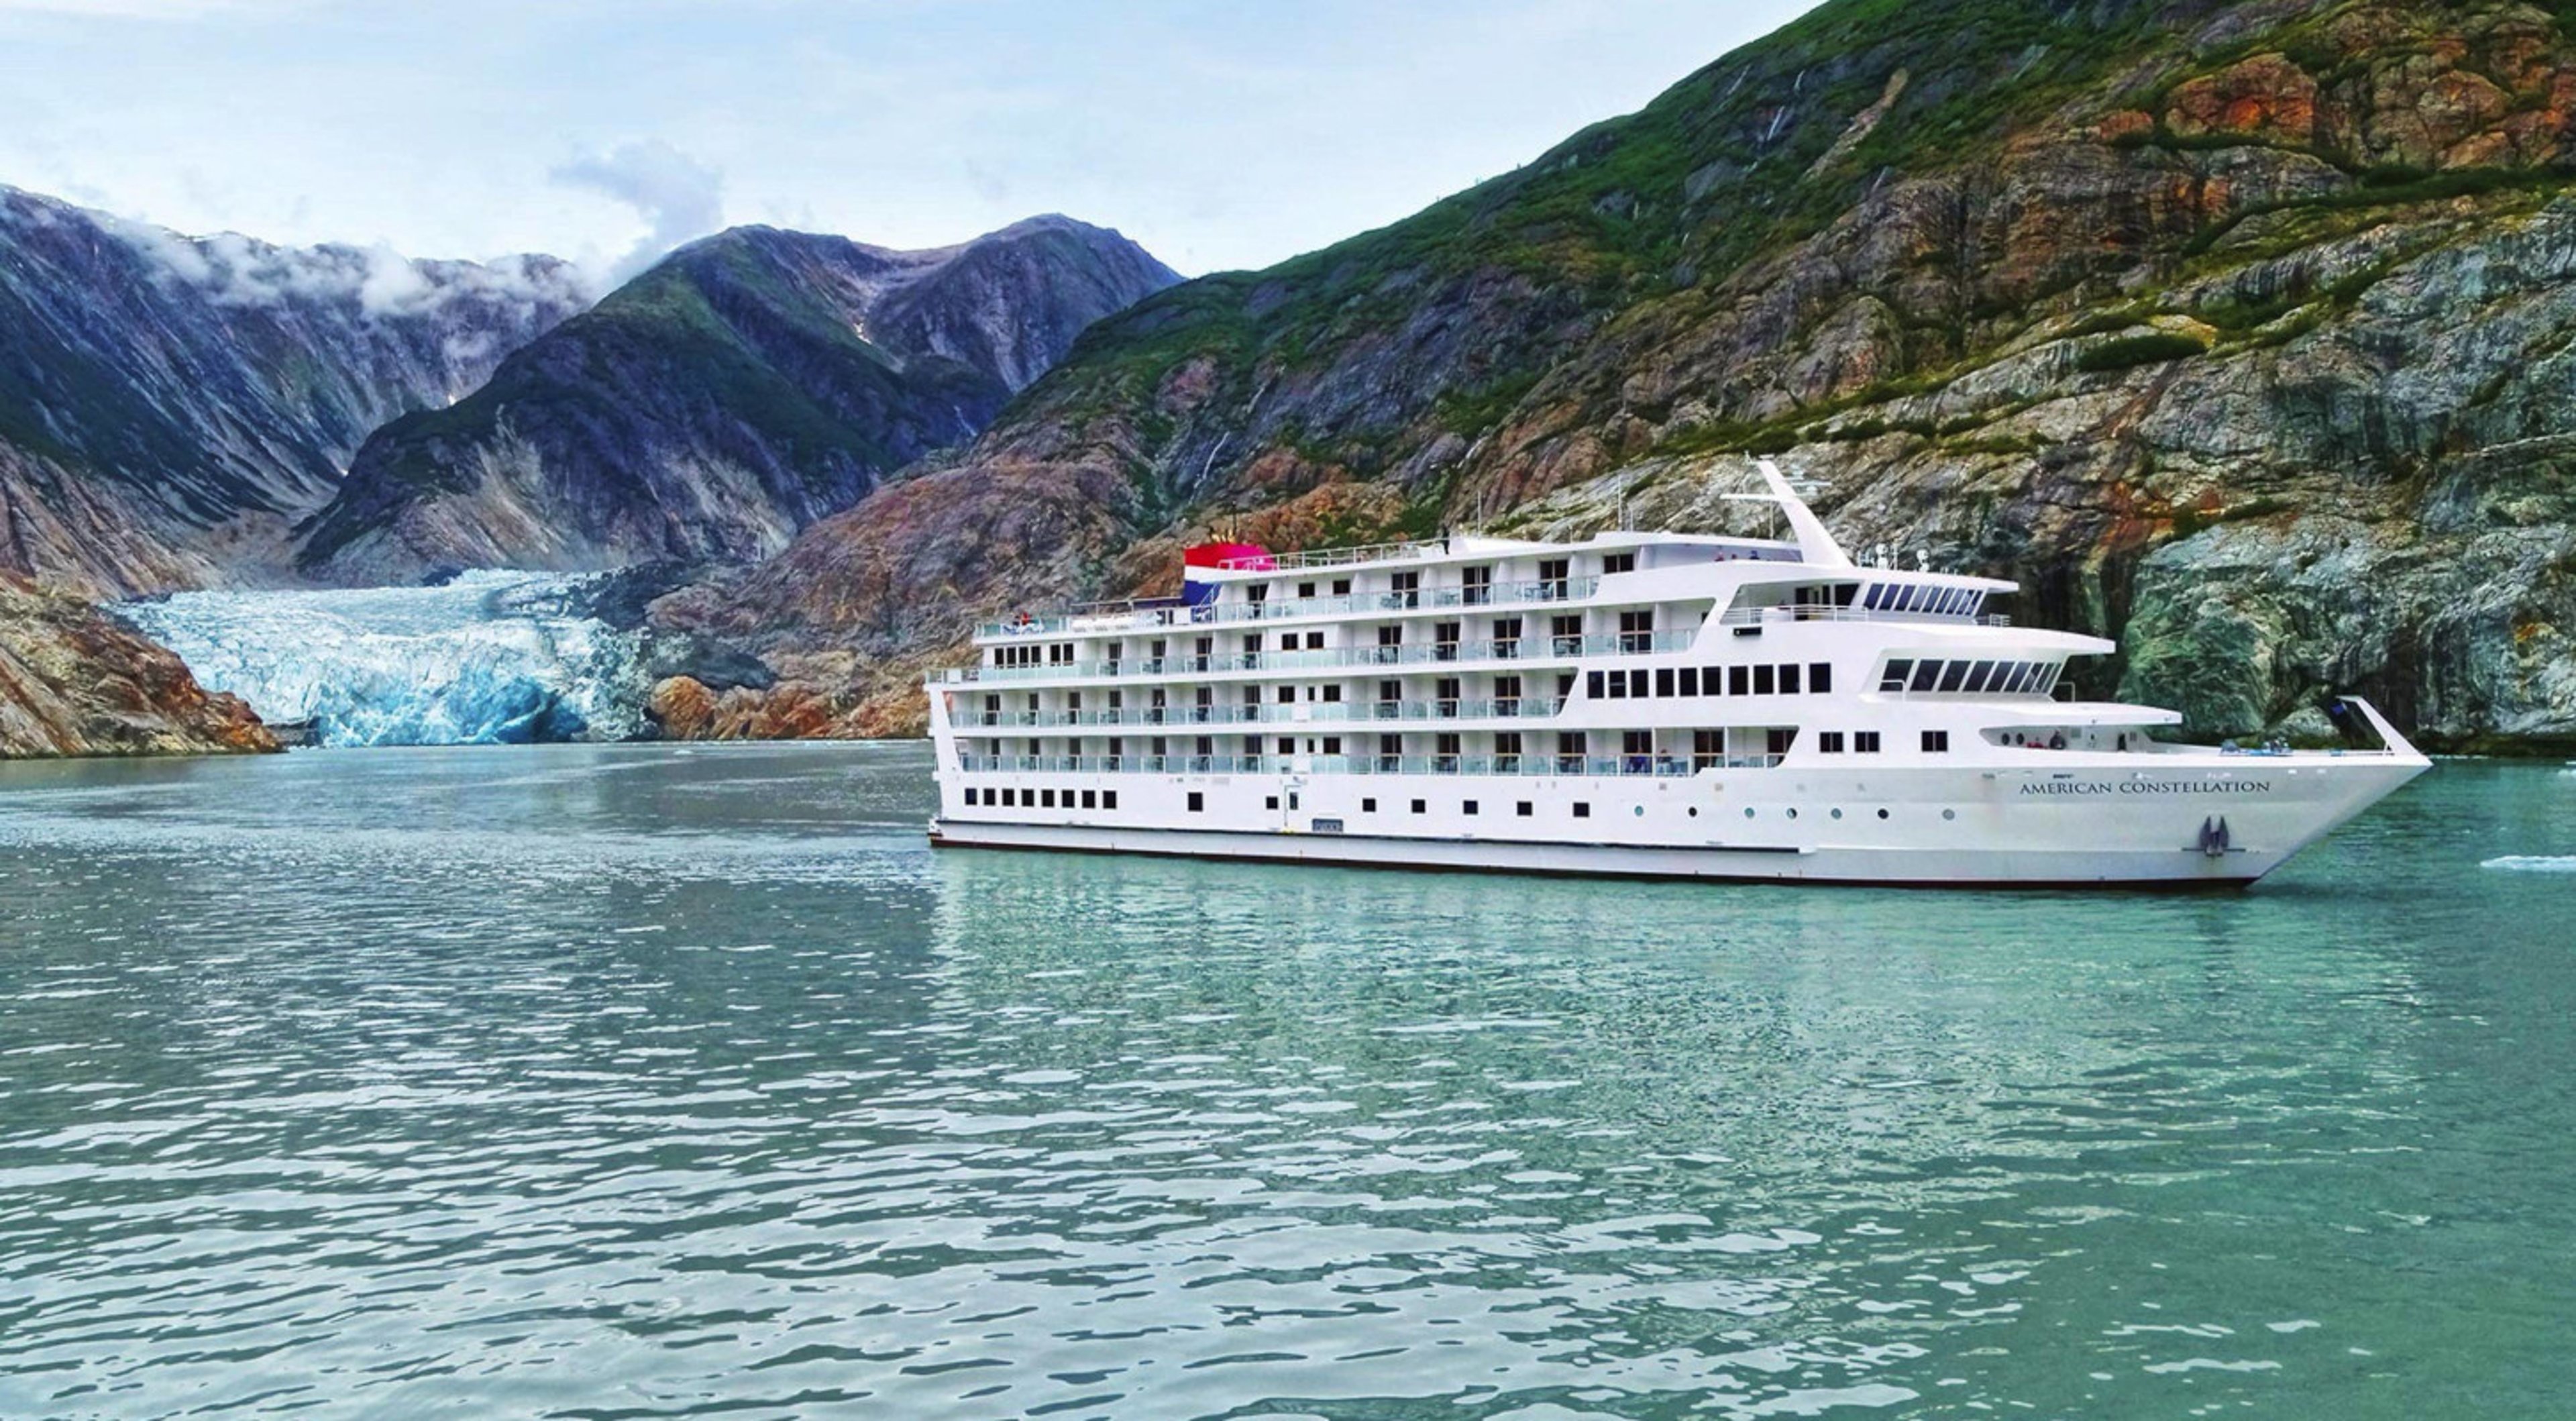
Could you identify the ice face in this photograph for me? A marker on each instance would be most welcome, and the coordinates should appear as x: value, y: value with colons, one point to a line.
x: 490, y: 658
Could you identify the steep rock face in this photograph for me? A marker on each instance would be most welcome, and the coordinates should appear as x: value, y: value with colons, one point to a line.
x: 2237, y: 331
x: 75, y: 682
x: 745, y: 387
x: 170, y: 405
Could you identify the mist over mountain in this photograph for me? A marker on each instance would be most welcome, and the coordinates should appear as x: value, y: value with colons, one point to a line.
x: 170, y: 406
x: 740, y: 389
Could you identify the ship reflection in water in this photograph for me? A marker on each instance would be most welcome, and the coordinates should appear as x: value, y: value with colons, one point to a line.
x: 629, y: 1081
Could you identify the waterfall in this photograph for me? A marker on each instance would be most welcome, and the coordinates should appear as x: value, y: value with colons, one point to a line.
x: 488, y: 658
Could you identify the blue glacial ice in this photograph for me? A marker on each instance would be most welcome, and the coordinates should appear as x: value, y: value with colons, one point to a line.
x: 490, y: 658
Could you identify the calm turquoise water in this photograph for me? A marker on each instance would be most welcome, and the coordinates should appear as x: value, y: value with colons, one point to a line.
x: 589, y: 1082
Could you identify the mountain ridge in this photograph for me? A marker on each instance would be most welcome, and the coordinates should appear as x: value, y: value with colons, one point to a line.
x: 169, y: 404
x: 745, y: 386
x: 2155, y: 306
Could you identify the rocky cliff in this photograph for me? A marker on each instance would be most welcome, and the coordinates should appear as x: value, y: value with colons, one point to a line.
x: 2240, y: 332
x: 169, y: 406
x: 75, y: 682
x: 746, y: 386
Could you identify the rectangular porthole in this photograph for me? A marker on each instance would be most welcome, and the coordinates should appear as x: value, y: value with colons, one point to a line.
x: 1368, y: 806
x: 1582, y: 810
x: 1469, y: 806
x: 1109, y: 799
x: 1524, y: 809
x: 1198, y: 802
x: 1090, y: 799
x: 1421, y: 806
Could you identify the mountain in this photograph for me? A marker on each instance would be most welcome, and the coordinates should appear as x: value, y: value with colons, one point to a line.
x: 2245, y: 333
x: 170, y: 406
x: 75, y: 682
x: 746, y: 386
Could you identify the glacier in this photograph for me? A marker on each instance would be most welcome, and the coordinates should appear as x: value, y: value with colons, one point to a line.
x: 487, y: 658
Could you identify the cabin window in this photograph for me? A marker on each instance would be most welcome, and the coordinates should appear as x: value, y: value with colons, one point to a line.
x: 1764, y: 682
x: 1270, y: 801
x: 1739, y: 681
x: 1708, y: 749
x: 1010, y: 799
x: 1467, y: 807
x: 1636, y: 631
x: 1524, y: 809
x: 1777, y: 742
x: 1477, y: 585
x: 1341, y: 587
x: 1582, y: 809
x: 1865, y: 742
x: 1663, y: 680
x: 1333, y: 695
x: 1829, y: 742
x: 1368, y: 806
x: 1305, y: 590
x: 1618, y: 562
x: 1252, y: 644
x: 1091, y: 799
x: 1618, y: 685
x: 1332, y: 744
x: 1820, y: 677
x: 1936, y: 742
x: 1421, y: 806
x: 1711, y: 681
x: 1198, y: 802
x: 1287, y: 744
x: 1408, y: 588
x: 1689, y: 679
x: 1552, y: 575
x: 1789, y: 679
x: 1109, y: 799
x: 1593, y: 685
x: 1046, y: 799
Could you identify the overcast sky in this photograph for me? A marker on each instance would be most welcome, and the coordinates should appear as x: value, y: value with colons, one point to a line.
x: 1218, y: 134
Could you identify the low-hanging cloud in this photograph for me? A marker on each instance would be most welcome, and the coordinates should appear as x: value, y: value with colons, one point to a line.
x: 680, y: 198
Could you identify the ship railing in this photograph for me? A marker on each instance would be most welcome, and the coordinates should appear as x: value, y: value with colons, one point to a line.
x: 1165, y: 612
x: 1328, y: 713
x: 1527, y: 766
x: 1799, y: 612
x: 1565, y: 648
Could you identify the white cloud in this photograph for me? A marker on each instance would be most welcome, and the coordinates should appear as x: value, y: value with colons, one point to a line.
x: 679, y: 198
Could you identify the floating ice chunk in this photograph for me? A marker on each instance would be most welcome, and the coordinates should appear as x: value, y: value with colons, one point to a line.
x: 2525, y: 863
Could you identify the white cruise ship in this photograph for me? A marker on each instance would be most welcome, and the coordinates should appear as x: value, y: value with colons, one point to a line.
x: 1640, y: 704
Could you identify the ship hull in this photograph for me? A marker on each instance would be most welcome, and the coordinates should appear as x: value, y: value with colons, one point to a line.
x: 2199, y: 821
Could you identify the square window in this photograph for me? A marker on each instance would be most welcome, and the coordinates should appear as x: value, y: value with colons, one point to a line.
x: 1314, y: 641
x: 1421, y: 806
x: 1865, y: 742
x: 1469, y: 806
x: 1524, y: 809
x: 1368, y: 806
x: 1198, y: 802
x: 1829, y: 742
x: 1936, y: 742
x: 1582, y: 809
x: 1091, y: 799
x: 1271, y: 802
x: 1010, y: 799
x: 1046, y: 798
x: 1109, y: 799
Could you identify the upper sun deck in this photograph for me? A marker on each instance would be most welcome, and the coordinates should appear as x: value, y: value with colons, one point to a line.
x: 1743, y: 577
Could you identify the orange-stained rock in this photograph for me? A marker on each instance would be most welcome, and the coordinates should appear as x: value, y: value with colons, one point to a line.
x: 75, y: 681
x: 2263, y: 99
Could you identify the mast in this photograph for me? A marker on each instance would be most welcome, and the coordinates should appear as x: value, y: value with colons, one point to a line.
x: 1815, y: 545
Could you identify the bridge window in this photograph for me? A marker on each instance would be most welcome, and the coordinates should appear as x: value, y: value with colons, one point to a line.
x: 1893, y: 678
x: 1927, y: 675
